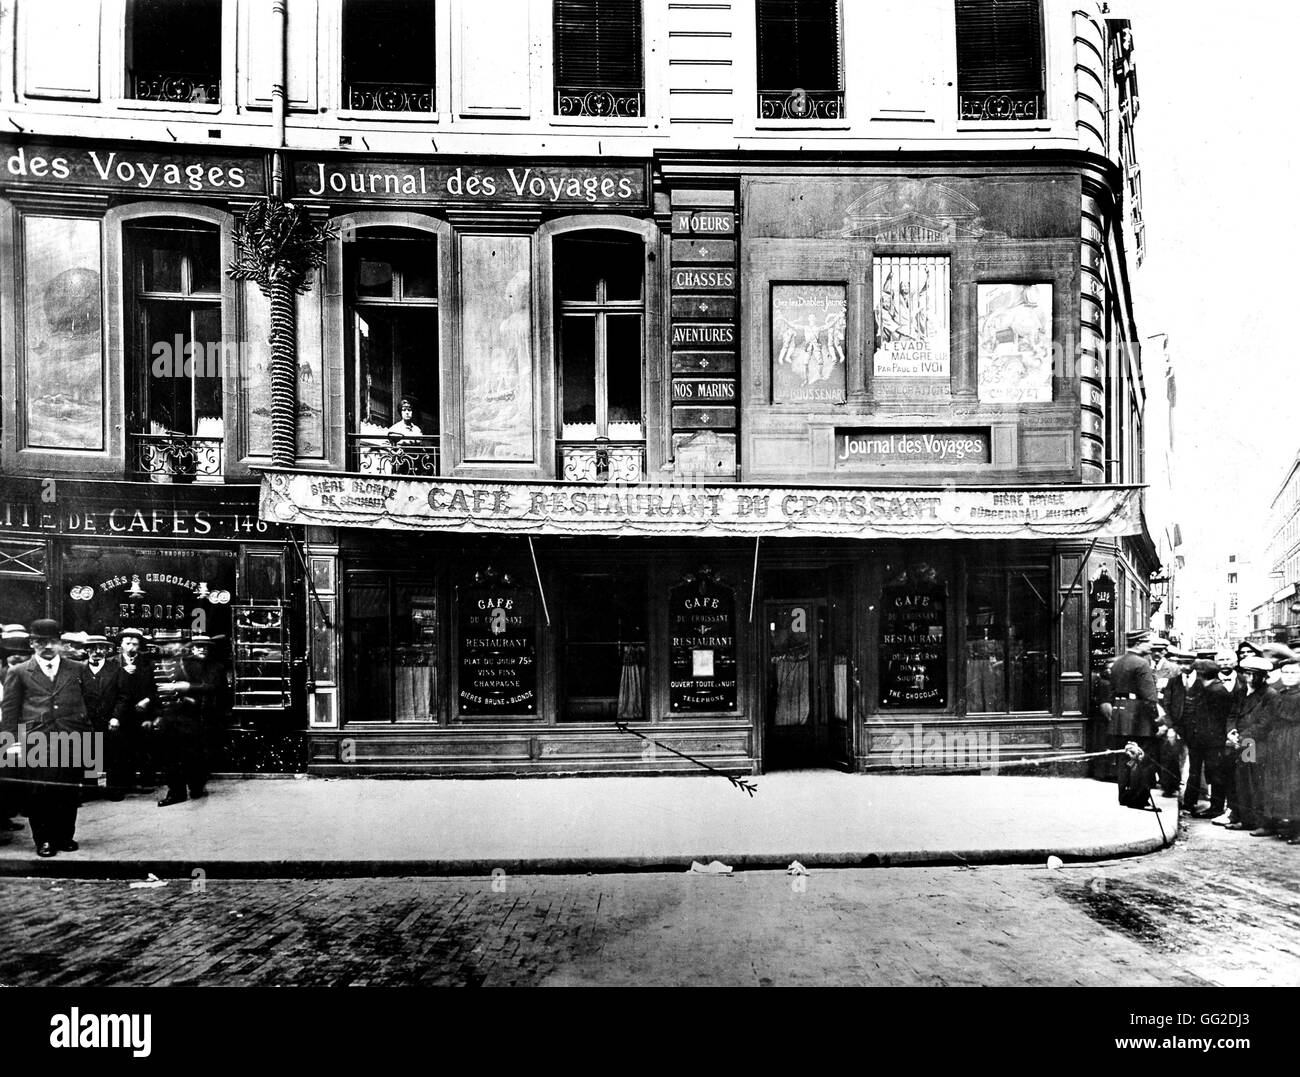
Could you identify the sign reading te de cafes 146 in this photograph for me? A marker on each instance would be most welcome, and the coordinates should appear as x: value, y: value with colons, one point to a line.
x: 714, y: 511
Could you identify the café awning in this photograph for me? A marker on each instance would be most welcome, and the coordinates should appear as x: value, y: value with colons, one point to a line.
x: 734, y: 510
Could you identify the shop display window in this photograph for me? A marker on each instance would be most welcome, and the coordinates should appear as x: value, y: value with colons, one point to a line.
x: 603, y: 646
x: 1008, y: 639
x: 392, y: 638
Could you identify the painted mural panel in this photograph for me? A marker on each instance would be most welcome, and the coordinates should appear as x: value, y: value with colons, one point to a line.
x: 63, y: 384
x: 496, y: 322
x: 808, y: 343
x: 1015, y: 343
x: 910, y: 300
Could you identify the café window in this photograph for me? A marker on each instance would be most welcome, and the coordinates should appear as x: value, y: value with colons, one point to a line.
x: 800, y: 73
x: 173, y: 51
x: 392, y: 311
x: 388, y: 55
x: 603, y: 647
x: 1000, y: 60
x: 598, y: 281
x: 598, y: 58
x: 176, y: 351
x: 393, y: 652
x: 1008, y: 638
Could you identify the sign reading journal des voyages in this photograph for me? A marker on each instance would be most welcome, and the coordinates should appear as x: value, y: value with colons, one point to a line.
x: 425, y: 181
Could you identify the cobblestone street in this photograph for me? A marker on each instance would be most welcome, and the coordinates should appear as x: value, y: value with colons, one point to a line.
x: 1218, y: 909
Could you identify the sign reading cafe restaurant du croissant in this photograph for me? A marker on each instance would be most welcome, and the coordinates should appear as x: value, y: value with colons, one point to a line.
x: 573, y: 508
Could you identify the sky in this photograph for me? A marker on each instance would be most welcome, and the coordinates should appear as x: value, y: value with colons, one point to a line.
x: 1216, y: 140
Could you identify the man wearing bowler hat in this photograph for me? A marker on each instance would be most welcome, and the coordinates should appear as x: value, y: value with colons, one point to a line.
x: 46, y: 695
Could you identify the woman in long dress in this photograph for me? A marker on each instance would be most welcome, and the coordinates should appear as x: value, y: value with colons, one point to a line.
x: 1282, y: 763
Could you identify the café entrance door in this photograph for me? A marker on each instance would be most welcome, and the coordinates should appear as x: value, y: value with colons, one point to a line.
x: 807, y: 687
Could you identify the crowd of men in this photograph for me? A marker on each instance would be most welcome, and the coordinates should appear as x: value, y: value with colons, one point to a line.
x: 158, y: 705
x: 1219, y: 730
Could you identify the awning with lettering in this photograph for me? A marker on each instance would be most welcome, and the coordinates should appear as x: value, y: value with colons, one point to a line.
x: 474, y: 507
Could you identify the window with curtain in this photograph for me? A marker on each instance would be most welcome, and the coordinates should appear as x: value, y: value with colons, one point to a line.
x: 388, y: 55
x: 1000, y: 60
x: 1008, y: 639
x: 392, y: 310
x: 598, y: 283
x: 800, y: 71
x: 391, y: 641
x: 599, y: 66
x: 603, y: 648
x: 176, y: 354
x: 174, y: 51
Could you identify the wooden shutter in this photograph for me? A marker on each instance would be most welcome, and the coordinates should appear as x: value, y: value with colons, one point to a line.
x: 999, y: 46
x: 60, y: 43
x: 799, y: 45
x: 598, y: 44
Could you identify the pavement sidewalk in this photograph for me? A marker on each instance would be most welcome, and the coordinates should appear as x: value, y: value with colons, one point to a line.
x: 311, y: 827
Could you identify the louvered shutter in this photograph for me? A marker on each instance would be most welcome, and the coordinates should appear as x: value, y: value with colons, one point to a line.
x: 999, y: 46
x: 799, y: 45
x: 598, y: 44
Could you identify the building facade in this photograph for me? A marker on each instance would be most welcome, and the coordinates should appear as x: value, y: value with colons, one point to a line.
x: 775, y: 402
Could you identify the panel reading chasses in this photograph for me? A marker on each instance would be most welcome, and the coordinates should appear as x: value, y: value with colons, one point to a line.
x: 702, y: 615
x: 498, y: 651
x: 913, y: 642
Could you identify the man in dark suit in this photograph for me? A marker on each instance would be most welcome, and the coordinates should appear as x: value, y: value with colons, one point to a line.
x: 137, y: 761
x: 106, y: 706
x: 44, y: 710
x: 1207, y: 706
x: 181, y: 685
x: 1133, y: 718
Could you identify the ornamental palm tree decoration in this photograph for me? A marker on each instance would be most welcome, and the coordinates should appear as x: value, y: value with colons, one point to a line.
x: 277, y: 247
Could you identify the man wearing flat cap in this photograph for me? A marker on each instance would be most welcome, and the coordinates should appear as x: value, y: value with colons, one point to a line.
x: 47, y: 695
x: 15, y: 647
x: 1207, y: 706
x: 1133, y: 717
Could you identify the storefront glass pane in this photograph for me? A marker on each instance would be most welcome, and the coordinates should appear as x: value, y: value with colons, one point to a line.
x: 370, y: 651
x: 604, y: 616
x: 985, y: 646
x: 1029, y: 664
x: 623, y: 372
x: 416, y: 674
x: 63, y: 382
x: 578, y: 376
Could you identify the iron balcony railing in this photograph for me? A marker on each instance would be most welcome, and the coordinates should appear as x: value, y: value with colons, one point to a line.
x: 595, y: 461
x: 801, y: 104
x: 178, y: 86
x: 1002, y: 105
x: 394, y: 454
x: 178, y: 458
x: 599, y: 101
x: 388, y: 97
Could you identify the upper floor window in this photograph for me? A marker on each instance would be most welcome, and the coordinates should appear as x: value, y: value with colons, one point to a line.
x: 1000, y: 60
x: 175, y: 357
x: 173, y: 51
x: 598, y: 280
x: 392, y: 303
x: 800, y: 74
x: 598, y: 60
x: 1232, y: 577
x: 388, y: 55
